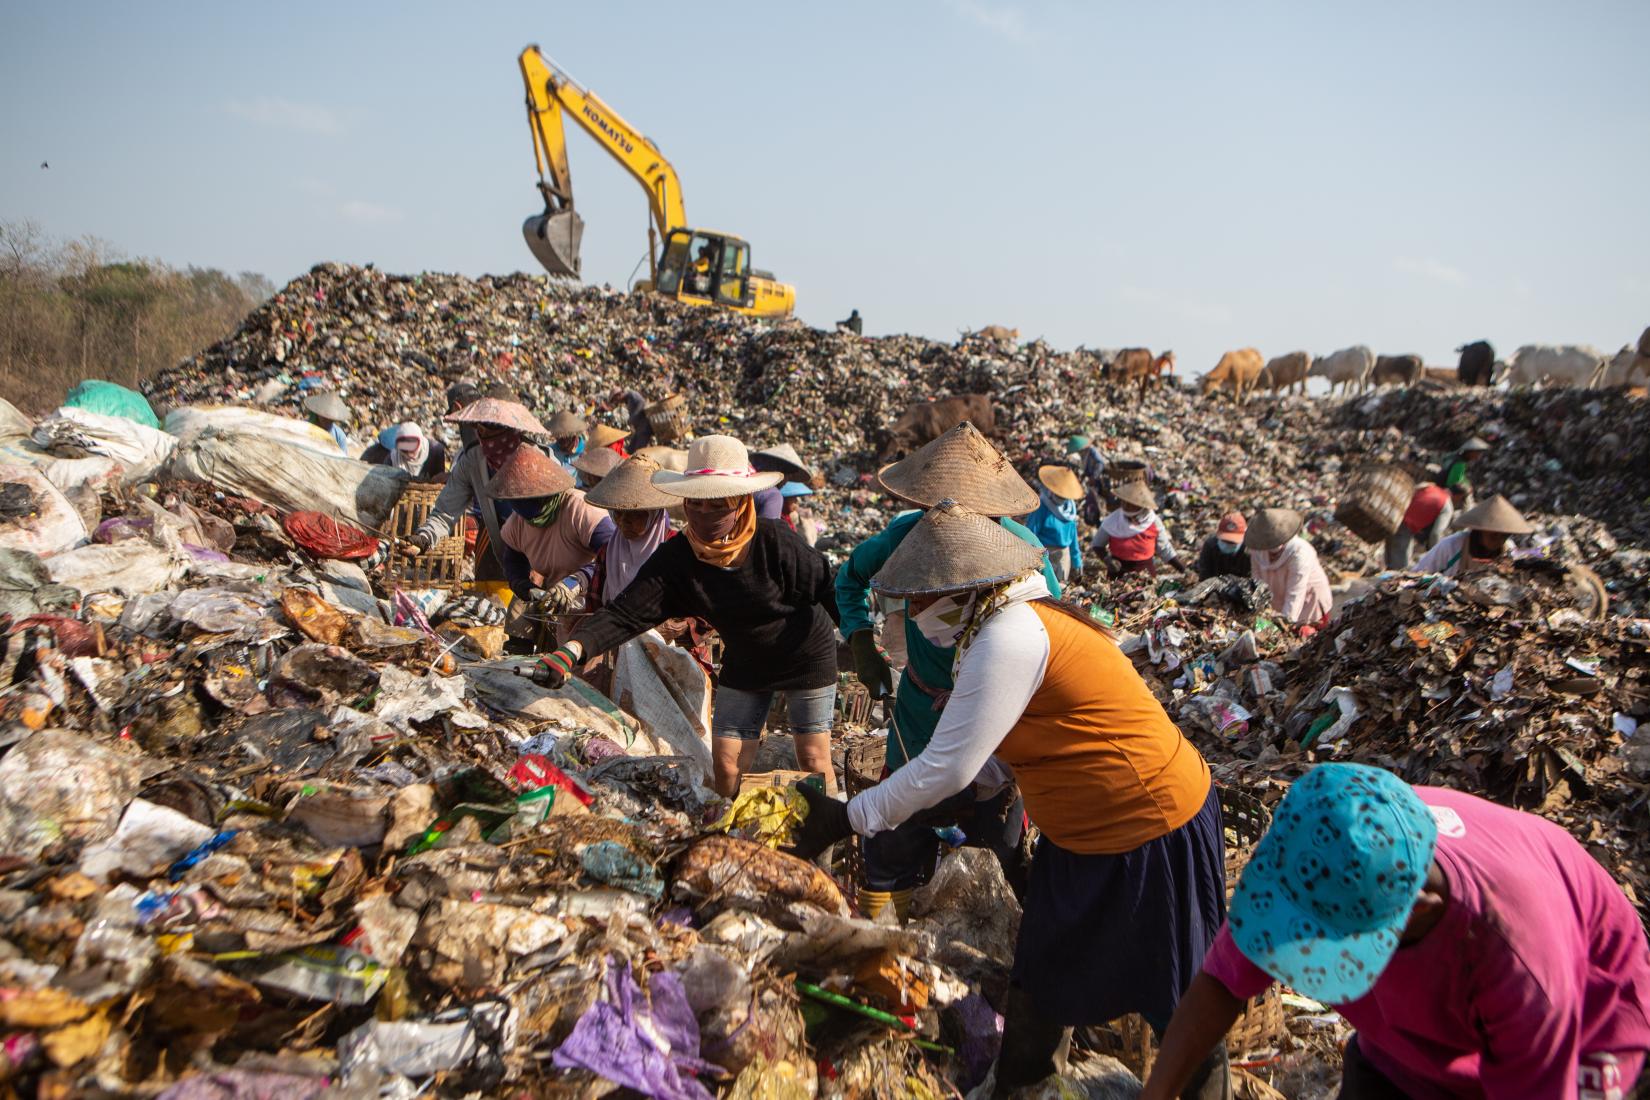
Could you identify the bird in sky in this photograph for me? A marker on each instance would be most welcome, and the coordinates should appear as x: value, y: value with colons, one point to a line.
x: 43, y: 164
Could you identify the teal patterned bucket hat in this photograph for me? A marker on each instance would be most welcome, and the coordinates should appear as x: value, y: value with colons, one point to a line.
x: 1331, y: 884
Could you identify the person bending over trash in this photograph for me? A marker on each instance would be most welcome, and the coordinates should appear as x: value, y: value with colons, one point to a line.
x: 1487, y: 529
x: 1127, y: 886
x: 963, y: 465
x: 1479, y: 951
x: 551, y: 538
x: 1132, y: 538
x: 767, y: 593
x: 1290, y: 567
x: 1222, y: 553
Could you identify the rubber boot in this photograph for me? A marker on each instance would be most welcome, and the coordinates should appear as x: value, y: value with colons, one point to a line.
x: 1033, y: 1047
x: 873, y: 902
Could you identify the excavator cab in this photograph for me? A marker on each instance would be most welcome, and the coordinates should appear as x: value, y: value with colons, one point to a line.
x: 704, y: 268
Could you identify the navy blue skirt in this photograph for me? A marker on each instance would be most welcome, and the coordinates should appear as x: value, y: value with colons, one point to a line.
x: 1107, y: 935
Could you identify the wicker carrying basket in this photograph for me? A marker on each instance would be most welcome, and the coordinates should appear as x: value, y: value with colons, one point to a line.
x: 1375, y: 502
x: 668, y: 418
x: 1262, y: 1024
x: 1122, y: 470
x: 439, y: 566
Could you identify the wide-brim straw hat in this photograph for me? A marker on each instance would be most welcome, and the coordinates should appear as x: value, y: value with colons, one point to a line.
x: 328, y: 406
x: 666, y: 458
x: 952, y: 549
x: 630, y: 488
x: 963, y: 466
x: 597, y: 463
x: 1497, y: 516
x: 1474, y: 444
x: 567, y: 423
x: 529, y: 473
x: 605, y: 435
x: 1270, y: 528
x: 500, y: 413
x: 783, y: 459
x: 1135, y: 493
x: 717, y: 466
x: 1061, y: 481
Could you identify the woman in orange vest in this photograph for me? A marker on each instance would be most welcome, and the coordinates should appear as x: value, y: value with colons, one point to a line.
x: 1127, y: 885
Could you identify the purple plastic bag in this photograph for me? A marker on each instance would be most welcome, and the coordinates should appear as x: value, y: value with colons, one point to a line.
x: 650, y: 1045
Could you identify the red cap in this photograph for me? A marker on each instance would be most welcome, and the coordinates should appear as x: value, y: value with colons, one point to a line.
x: 1232, y: 527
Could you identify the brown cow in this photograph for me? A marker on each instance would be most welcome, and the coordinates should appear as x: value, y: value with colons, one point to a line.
x: 997, y: 334
x: 925, y: 421
x: 1140, y: 365
x: 1237, y: 371
x: 1402, y: 370
x: 1285, y: 371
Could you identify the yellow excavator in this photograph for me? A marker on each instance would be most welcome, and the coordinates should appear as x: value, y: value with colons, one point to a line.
x: 698, y: 267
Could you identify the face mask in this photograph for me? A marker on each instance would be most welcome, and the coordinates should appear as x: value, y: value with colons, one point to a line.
x: 1133, y: 517
x: 1228, y: 547
x: 713, y: 524
x: 943, y: 621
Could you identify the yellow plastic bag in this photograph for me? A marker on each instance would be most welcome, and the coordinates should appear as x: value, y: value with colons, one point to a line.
x: 766, y: 815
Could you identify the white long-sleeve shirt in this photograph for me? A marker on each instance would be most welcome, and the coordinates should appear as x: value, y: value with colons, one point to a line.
x: 998, y: 675
x: 1300, y: 588
x: 1446, y: 558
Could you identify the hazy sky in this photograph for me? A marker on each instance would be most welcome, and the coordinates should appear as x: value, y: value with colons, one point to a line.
x: 1201, y: 176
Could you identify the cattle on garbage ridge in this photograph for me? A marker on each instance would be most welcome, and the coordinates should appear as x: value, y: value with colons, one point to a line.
x: 1477, y: 365
x: 1348, y: 367
x: 1397, y: 370
x: 925, y: 421
x: 1560, y: 364
x: 1284, y: 372
x: 1237, y: 372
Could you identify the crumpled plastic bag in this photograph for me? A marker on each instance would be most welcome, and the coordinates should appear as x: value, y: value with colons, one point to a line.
x: 766, y: 815
x: 649, y: 1044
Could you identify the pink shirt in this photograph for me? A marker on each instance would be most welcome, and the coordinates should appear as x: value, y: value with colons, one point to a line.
x: 1300, y: 588
x: 1539, y: 960
x: 564, y: 546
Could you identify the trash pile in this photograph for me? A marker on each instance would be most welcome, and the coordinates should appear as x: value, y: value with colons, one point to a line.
x: 267, y: 830
x: 277, y: 822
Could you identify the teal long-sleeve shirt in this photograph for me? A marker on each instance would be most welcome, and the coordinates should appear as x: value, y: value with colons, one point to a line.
x: 914, y: 713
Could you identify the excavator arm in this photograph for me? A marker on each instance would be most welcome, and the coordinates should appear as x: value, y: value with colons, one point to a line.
x: 554, y: 235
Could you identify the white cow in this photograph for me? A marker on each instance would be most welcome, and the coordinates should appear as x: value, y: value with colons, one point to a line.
x: 1349, y: 366
x: 1625, y: 367
x: 1561, y: 364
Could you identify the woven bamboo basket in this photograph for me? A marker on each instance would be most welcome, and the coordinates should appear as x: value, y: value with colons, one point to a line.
x: 1262, y: 1023
x: 668, y: 418
x: 1375, y: 502
x: 853, y: 701
x: 1122, y: 470
x: 440, y: 566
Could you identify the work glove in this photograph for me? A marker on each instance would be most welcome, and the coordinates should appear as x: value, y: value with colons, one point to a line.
x: 562, y: 597
x: 871, y: 663
x: 553, y: 669
x: 417, y: 543
x: 826, y: 823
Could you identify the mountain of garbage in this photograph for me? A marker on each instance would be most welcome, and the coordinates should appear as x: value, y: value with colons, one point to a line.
x: 281, y: 822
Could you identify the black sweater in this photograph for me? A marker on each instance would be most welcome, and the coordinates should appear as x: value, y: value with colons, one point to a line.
x: 774, y: 611
x: 1212, y: 563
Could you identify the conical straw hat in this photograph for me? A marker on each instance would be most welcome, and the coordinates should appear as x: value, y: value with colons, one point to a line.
x: 1270, y: 528
x: 953, y: 550
x: 1061, y: 481
x: 784, y: 459
x: 529, y: 473
x: 328, y: 405
x: 598, y: 462
x: 605, y: 435
x: 717, y: 466
x: 1497, y: 516
x: 1135, y: 493
x: 567, y: 423
x: 963, y: 466
x: 668, y: 458
x: 629, y: 488
x: 505, y: 414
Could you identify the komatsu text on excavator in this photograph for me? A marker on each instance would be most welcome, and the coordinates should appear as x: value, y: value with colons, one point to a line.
x: 695, y: 266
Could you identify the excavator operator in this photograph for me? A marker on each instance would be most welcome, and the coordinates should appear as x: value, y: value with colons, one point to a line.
x: 699, y: 274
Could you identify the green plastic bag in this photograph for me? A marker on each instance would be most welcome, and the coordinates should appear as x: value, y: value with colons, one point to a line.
x: 109, y: 399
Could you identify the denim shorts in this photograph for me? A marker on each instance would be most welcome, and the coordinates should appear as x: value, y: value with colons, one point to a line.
x: 741, y: 714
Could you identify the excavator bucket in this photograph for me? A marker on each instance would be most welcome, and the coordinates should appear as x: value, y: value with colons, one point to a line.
x: 554, y: 239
